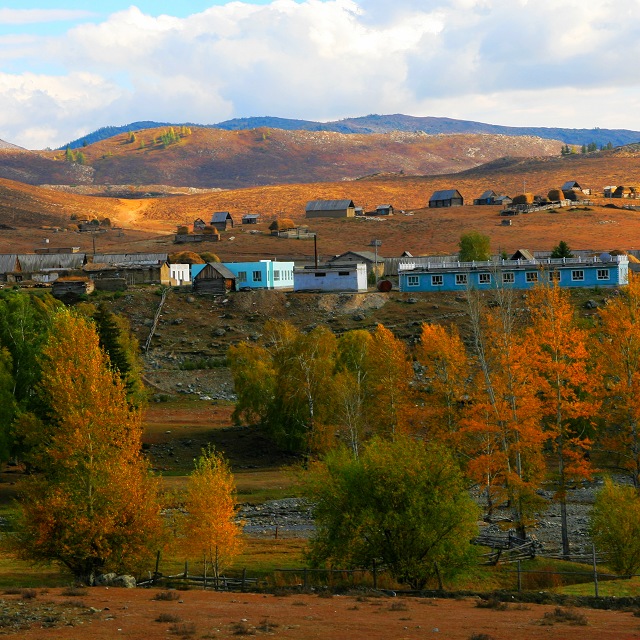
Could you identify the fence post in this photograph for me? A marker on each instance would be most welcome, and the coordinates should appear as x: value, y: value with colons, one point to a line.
x: 244, y: 578
x: 519, y: 578
x: 375, y: 574
x: 595, y: 570
x: 157, y: 571
x: 304, y: 578
x: 186, y: 569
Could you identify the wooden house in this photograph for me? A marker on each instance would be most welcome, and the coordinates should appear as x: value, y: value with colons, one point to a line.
x: 250, y: 218
x: 134, y: 268
x: 356, y: 257
x: 571, y: 185
x: 8, y: 265
x: 384, y: 210
x: 199, y: 224
x: 72, y: 287
x: 446, y: 198
x: 626, y: 192
x: 214, y: 279
x: 330, y: 209
x: 488, y: 197
x: 222, y: 220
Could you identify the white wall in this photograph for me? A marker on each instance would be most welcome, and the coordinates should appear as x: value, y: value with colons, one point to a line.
x: 352, y: 278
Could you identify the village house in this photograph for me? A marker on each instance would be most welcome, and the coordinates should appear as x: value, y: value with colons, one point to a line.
x: 212, y: 278
x: 179, y: 274
x: 222, y: 221
x: 384, y: 210
x: 42, y: 268
x: 373, y: 262
x: 446, y: 198
x: 330, y: 209
x: 349, y: 277
x: 72, y: 287
x: 250, y: 218
x: 133, y: 268
x: 264, y: 274
x: 604, y: 271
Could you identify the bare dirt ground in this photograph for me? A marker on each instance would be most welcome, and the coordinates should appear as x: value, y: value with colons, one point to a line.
x: 104, y: 614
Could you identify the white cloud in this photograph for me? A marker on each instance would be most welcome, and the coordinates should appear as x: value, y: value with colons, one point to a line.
x: 518, y: 62
x: 35, y: 16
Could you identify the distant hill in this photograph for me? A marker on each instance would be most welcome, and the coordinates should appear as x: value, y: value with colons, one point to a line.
x: 386, y: 124
x: 9, y: 145
x: 217, y: 158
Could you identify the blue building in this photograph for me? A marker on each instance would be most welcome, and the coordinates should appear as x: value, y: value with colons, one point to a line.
x: 603, y: 271
x: 264, y: 274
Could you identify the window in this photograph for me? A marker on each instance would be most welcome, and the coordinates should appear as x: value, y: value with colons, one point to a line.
x: 413, y: 281
x: 343, y: 273
x: 437, y: 281
x: 461, y: 279
x: 577, y: 275
x: 484, y: 278
x: 603, y: 274
x: 508, y: 277
x: 242, y: 276
x: 257, y: 276
x: 531, y: 276
x: 319, y: 274
x: 276, y: 275
x: 554, y: 276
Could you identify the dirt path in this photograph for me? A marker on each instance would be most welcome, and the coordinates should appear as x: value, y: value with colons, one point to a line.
x: 104, y: 614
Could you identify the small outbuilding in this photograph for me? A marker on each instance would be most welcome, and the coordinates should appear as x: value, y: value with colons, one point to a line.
x: 446, y: 198
x: 330, y: 209
x: 250, y: 218
x: 488, y: 197
x: 350, y: 277
x: 222, y: 220
x: 374, y: 264
x: 213, y: 279
x: 384, y: 210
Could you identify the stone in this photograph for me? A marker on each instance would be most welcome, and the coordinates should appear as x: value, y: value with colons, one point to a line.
x: 126, y: 581
x: 105, y: 579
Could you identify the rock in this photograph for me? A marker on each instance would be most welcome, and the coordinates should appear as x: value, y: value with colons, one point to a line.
x: 412, y: 301
x: 178, y: 321
x: 105, y: 579
x: 358, y: 317
x: 126, y: 581
x: 590, y: 304
x: 190, y: 299
x: 219, y: 332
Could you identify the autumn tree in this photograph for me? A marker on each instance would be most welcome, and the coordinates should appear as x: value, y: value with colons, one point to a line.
x: 401, y: 504
x: 389, y: 383
x: 91, y: 505
x: 559, y: 356
x: 8, y: 407
x: 209, y: 529
x: 619, y: 355
x: 615, y: 526
x: 474, y: 246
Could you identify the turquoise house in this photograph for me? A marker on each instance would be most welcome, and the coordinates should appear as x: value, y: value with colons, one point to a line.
x: 264, y: 274
x: 603, y: 271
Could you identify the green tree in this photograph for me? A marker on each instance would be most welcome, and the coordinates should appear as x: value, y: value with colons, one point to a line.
x: 474, y: 246
x: 8, y: 405
x: 615, y: 526
x: 561, y: 250
x: 401, y: 504
x: 91, y: 504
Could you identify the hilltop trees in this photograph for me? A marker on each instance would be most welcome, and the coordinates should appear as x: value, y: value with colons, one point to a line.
x: 91, y: 505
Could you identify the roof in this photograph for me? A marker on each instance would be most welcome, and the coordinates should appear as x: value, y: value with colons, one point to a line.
x: 248, y: 216
x: 133, y: 258
x: 487, y: 194
x: 384, y: 206
x: 225, y: 272
x: 445, y: 194
x: 522, y: 254
x: 30, y: 262
x: 370, y: 256
x: 328, y: 205
x: 570, y: 184
x: 8, y: 262
x: 221, y: 216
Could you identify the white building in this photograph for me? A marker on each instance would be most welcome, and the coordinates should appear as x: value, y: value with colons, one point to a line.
x: 346, y: 277
x: 179, y: 274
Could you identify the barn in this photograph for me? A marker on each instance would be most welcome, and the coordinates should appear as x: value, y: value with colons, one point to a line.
x: 330, y: 209
x: 446, y: 198
x: 213, y: 279
x: 222, y: 220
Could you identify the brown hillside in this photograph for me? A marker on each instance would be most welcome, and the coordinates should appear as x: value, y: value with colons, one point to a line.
x: 231, y: 159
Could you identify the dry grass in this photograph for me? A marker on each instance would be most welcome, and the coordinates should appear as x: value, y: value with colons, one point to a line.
x: 564, y: 616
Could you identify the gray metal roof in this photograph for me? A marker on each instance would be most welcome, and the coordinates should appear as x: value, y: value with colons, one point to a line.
x: 32, y: 262
x: 570, y: 184
x: 487, y: 194
x: 225, y: 272
x: 221, y: 216
x: 328, y: 205
x: 134, y: 258
x: 8, y: 262
x: 445, y: 194
x: 366, y: 255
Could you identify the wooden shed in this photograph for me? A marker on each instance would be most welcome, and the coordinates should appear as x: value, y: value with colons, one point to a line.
x: 214, y: 279
x: 222, y: 220
x: 250, y: 218
x: 488, y: 197
x: 446, y: 198
x: 330, y: 209
x: 72, y: 287
x: 384, y: 210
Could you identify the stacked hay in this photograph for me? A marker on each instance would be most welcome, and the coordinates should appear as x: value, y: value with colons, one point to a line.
x: 555, y: 195
x: 523, y: 198
x: 210, y: 231
x: 282, y: 224
x: 183, y: 229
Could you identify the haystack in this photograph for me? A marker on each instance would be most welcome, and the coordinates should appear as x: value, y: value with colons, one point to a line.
x: 282, y: 224
x: 523, y: 198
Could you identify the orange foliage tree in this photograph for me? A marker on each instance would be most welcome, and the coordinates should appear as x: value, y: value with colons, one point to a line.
x: 565, y: 380
x: 209, y: 526
x: 619, y: 350
x: 91, y: 505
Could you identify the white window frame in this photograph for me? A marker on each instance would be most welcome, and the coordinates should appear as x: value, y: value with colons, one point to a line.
x: 484, y: 278
x: 508, y: 277
x: 276, y: 275
x: 413, y: 281
x: 577, y: 275
x: 242, y: 277
x: 257, y: 276
x: 554, y: 276
x: 462, y: 279
x: 437, y: 280
x: 604, y: 274
x: 531, y: 277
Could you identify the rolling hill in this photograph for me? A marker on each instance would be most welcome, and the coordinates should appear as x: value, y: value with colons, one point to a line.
x: 214, y: 158
x: 386, y: 124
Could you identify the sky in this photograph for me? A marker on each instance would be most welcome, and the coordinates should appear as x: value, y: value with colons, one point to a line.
x: 69, y: 67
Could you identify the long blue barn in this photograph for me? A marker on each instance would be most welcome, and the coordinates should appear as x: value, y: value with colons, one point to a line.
x: 603, y: 271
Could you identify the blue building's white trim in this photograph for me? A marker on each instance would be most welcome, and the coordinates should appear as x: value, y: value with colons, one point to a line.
x: 606, y: 271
